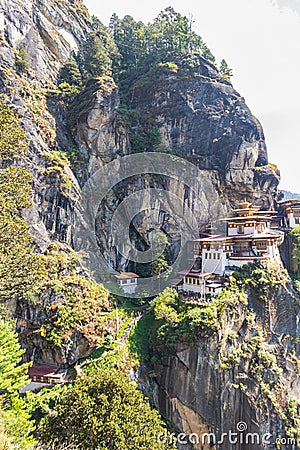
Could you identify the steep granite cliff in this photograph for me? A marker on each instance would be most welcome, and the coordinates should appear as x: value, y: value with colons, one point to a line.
x: 242, y: 378
x: 197, y: 116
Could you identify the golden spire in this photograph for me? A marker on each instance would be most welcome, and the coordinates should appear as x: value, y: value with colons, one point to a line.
x: 246, y: 209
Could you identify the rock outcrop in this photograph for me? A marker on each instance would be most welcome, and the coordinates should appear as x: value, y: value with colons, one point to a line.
x: 199, y: 393
x: 200, y: 117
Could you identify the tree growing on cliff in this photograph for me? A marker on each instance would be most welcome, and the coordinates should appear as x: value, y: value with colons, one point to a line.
x: 22, y: 59
x: 16, y: 428
x: 225, y: 71
x: 21, y: 269
x: 104, y: 410
x: 70, y: 73
x: 169, y: 39
x: 98, y: 54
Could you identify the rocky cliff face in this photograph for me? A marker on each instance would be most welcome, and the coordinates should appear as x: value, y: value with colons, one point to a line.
x: 199, y: 117
x: 200, y: 393
x: 49, y: 32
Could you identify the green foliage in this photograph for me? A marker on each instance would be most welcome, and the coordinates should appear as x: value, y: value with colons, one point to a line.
x: 293, y: 418
x: 261, y: 278
x: 15, y: 420
x: 98, y: 53
x: 70, y: 73
x: 178, y: 320
x: 81, y: 302
x: 95, y: 59
x: 225, y: 71
x: 40, y: 403
x: 263, y: 364
x: 296, y: 233
x: 55, y: 169
x: 21, y: 59
x: 13, y: 142
x: 181, y: 321
x: 13, y: 376
x: 163, y: 44
x: 154, y: 137
x: 107, y: 411
x: 21, y: 270
x: 57, y: 157
x: 168, y: 67
x: 150, y: 52
x: 166, y: 306
x: 18, y: 425
x: 139, y: 338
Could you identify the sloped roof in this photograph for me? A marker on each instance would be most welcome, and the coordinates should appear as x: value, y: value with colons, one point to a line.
x: 42, y: 370
x: 126, y: 275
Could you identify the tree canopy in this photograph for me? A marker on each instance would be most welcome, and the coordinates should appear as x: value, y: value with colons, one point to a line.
x: 225, y: 71
x: 20, y: 268
x: 170, y: 37
x: 16, y: 428
x: 104, y: 410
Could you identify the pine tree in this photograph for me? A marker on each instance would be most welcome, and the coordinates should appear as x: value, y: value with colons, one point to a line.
x: 16, y: 425
x: 99, y: 53
x: 70, y: 73
x: 22, y: 59
x: 21, y: 269
x: 13, y: 376
x: 225, y: 71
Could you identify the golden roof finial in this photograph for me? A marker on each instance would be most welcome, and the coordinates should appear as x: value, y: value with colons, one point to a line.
x: 245, y: 204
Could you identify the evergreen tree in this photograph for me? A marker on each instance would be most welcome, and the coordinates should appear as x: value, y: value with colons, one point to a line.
x: 225, y: 71
x: 21, y: 269
x: 70, y: 73
x: 16, y: 425
x: 22, y: 59
x: 104, y: 410
x: 13, y: 376
x: 169, y: 39
x: 99, y: 53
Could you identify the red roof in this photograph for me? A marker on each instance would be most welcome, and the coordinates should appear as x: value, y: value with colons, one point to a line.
x: 42, y: 370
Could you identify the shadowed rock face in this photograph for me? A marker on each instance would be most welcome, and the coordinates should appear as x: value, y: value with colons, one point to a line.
x: 202, y: 116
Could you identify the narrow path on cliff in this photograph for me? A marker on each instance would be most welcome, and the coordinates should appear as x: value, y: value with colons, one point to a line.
x: 122, y: 342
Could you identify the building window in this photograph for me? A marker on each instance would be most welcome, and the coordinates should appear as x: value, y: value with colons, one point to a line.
x: 260, y: 228
x: 240, y: 229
